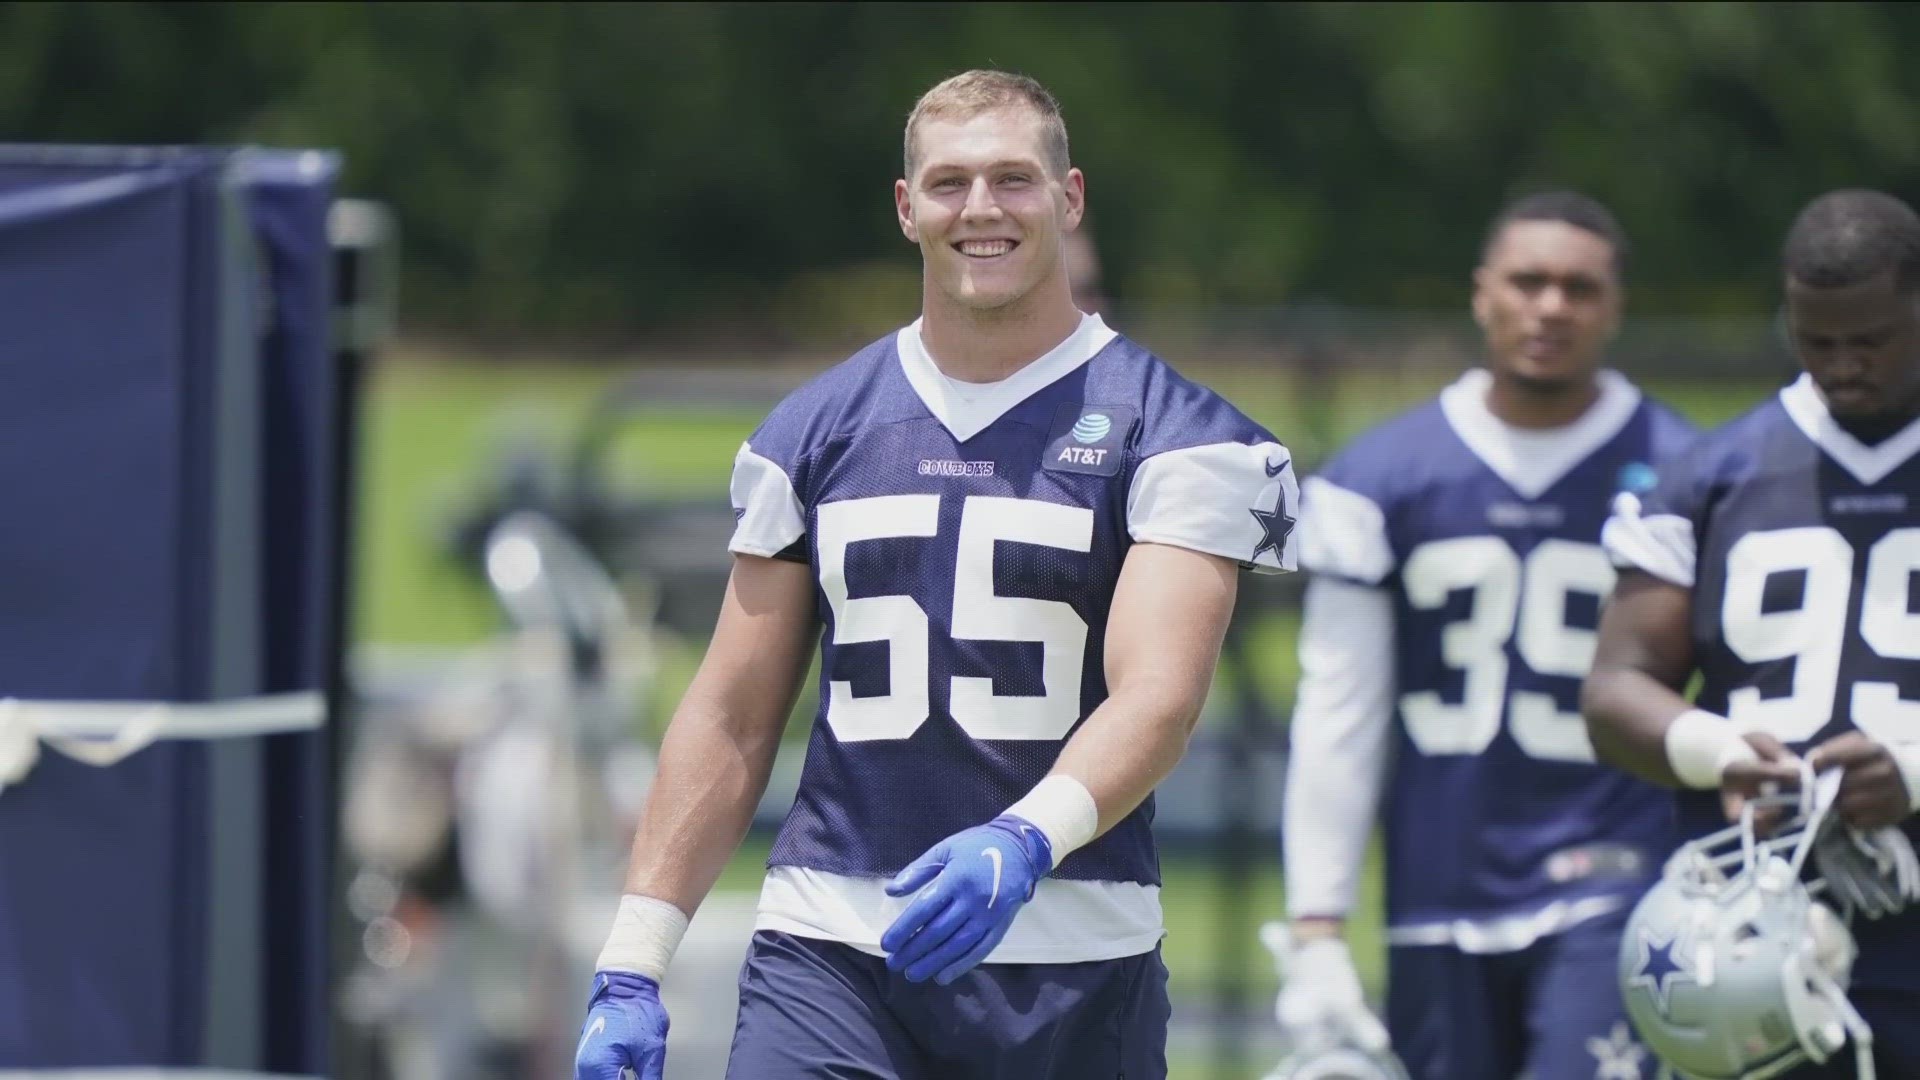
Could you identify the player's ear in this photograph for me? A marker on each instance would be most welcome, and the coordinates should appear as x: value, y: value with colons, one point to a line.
x: 903, y: 209
x: 1481, y: 302
x: 1075, y: 188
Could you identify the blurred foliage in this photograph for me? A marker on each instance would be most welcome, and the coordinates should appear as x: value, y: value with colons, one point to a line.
x: 726, y: 167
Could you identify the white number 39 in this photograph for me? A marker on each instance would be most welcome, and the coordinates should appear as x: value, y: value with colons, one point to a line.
x: 1523, y: 602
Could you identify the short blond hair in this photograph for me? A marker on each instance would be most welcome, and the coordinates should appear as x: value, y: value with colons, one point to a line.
x: 971, y: 93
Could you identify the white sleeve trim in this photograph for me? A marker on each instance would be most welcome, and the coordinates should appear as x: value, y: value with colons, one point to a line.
x: 770, y: 515
x: 1216, y: 499
x: 1661, y: 544
x: 1343, y: 533
x: 1337, y: 764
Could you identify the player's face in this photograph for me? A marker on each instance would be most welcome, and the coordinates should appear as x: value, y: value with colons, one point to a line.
x: 1548, y: 300
x: 1860, y: 343
x: 987, y: 215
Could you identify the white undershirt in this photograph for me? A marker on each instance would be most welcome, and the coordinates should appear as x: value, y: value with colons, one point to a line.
x: 1342, y: 724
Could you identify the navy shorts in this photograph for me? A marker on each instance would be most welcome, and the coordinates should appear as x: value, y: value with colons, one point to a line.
x: 821, y: 1009
x: 1552, y: 1010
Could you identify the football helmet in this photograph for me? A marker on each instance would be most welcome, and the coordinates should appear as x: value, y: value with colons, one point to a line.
x: 1731, y: 967
x: 1338, y: 1037
x: 1338, y: 1059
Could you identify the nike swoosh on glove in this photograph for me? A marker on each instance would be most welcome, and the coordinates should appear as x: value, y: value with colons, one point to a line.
x: 970, y: 887
x: 626, y: 1028
x: 1320, y: 996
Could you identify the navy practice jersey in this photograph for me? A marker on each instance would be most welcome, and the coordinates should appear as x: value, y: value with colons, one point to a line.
x: 966, y: 542
x: 1801, y: 545
x: 1487, y: 539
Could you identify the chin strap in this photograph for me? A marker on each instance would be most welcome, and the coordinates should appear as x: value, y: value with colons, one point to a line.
x: 1857, y: 1028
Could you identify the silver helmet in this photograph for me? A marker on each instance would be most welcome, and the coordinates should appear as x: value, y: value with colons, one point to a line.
x: 1730, y: 966
x: 1338, y: 1059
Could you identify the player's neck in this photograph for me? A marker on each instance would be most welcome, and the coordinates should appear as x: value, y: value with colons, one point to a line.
x: 988, y: 346
x: 1524, y: 404
x: 1875, y: 428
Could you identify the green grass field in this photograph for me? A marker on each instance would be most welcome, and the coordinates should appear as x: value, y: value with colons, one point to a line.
x: 430, y: 431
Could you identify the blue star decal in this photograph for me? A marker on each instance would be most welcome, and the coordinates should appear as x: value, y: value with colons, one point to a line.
x: 1275, y: 527
x: 1659, y: 968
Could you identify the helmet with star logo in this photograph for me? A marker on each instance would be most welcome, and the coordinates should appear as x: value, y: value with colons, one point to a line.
x: 1343, y: 1060
x: 1730, y: 966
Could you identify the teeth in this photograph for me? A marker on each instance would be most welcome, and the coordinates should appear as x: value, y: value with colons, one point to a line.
x: 985, y: 248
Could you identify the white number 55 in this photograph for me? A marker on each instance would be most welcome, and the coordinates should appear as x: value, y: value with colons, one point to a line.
x: 978, y: 614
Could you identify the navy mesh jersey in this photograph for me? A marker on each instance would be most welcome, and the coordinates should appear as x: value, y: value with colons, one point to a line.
x: 1803, y: 545
x: 1495, y: 805
x: 965, y: 564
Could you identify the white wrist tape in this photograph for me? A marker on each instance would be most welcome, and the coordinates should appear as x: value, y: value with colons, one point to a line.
x: 645, y: 934
x: 1062, y: 809
x: 1906, y: 756
x: 1701, y: 745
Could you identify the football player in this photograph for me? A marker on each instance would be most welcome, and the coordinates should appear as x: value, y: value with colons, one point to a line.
x: 1457, y: 577
x: 1777, y: 563
x: 1016, y: 535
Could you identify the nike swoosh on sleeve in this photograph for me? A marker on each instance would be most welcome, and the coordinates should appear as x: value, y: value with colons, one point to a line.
x: 993, y: 855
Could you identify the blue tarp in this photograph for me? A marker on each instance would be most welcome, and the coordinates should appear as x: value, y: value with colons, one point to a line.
x: 166, y: 534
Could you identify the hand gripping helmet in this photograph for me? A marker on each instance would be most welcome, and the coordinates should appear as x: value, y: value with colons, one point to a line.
x: 1730, y: 967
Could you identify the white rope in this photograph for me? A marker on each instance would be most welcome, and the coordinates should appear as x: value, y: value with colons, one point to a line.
x: 104, y: 733
x: 145, y: 1073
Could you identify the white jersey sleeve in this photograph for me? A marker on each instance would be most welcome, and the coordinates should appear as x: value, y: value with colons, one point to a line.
x: 1343, y: 534
x: 768, y: 513
x: 1643, y: 538
x: 1340, y: 743
x: 1235, y: 500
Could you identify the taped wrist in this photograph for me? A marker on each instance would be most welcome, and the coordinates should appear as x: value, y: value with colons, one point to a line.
x: 645, y: 934
x: 1063, y: 810
x: 1701, y: 745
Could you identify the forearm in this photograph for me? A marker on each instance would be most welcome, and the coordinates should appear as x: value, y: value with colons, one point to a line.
x: 1169, y: 617
x: 1628, y: 713
x: 721, y: 744
x: 1130, y: 743
x: 1636, y: 716
x: 711, y: 775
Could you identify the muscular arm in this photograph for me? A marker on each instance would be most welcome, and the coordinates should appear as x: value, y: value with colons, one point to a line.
x: 720, y: 746
x: 1169, y: 616
x: 1640, y: 665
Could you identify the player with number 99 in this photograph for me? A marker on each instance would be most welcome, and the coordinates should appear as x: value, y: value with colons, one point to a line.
x: 1016, y: 535
x: 1778, y: 564
x: 1457, y: 577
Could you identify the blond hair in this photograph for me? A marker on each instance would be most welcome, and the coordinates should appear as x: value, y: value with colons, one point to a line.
x: 971, y: 93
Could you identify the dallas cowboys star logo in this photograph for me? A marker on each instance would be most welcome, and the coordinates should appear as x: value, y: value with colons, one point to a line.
x: 1617, y: 1057
x: 1275, y: 528
x: 1659, y: 969
x: 1275, y: 525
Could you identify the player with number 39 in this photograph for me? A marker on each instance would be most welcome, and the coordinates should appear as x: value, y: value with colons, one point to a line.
x: 1016, y: 536
x: 1778, y: 564
x: 1456, y: 581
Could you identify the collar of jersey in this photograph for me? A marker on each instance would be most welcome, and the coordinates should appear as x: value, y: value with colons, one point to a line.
x: 966, y: 409
x: 1867, y: 464
x: 1532, y: 461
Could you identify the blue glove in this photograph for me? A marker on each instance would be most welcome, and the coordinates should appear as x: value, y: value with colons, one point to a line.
x: 626, y: 1029
x: 980, y: 879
